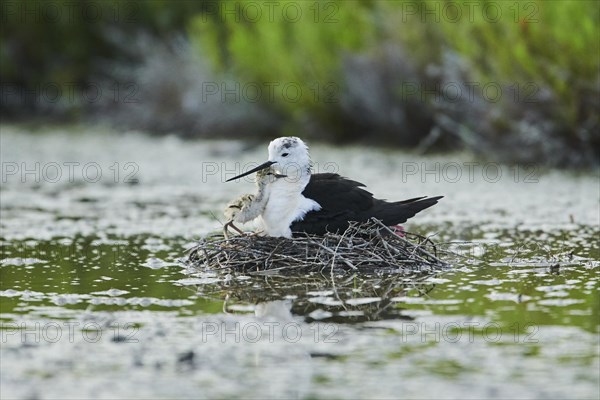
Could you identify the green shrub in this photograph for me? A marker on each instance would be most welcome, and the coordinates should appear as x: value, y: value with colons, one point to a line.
x: 551, y: 44
x: 301, y: 46
x: 543, y: 55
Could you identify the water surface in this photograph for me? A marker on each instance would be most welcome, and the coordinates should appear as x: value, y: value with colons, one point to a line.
x: 95, y: 302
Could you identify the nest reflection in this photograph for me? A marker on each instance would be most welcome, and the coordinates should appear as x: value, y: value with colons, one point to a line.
x: 315, y: 296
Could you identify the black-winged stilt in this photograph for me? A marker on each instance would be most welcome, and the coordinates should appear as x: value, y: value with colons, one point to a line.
x: 319, y: 203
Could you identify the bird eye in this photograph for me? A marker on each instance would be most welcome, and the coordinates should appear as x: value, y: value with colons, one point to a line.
x: 285, y: 154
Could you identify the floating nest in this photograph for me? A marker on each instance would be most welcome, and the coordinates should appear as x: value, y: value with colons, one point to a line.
x: 367, y: 247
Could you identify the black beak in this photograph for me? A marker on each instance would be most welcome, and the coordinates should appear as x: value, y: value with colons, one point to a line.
x: 261, y: 166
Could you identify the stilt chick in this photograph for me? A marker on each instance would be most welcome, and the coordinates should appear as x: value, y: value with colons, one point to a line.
x: 250, y: 206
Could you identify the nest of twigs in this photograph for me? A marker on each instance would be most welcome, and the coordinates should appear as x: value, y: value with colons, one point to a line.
x: 362, y: 247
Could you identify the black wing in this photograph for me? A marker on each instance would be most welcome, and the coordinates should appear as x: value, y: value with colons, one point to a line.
x: 343, y: 200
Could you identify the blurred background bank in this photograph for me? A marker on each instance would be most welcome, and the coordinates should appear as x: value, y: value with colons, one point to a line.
x: 509, y: 81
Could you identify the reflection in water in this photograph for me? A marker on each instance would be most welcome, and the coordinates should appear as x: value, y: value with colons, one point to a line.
x: 350, y: 298
x: 285, y: 342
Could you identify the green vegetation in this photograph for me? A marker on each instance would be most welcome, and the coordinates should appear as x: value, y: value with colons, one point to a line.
x: 533, y: 65
x: 542, y: 44
x: 300, y: 46
x: 70, y: 43
x: 516, y: 81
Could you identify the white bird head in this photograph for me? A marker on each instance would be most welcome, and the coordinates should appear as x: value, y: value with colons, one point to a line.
x: 288, y: 157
